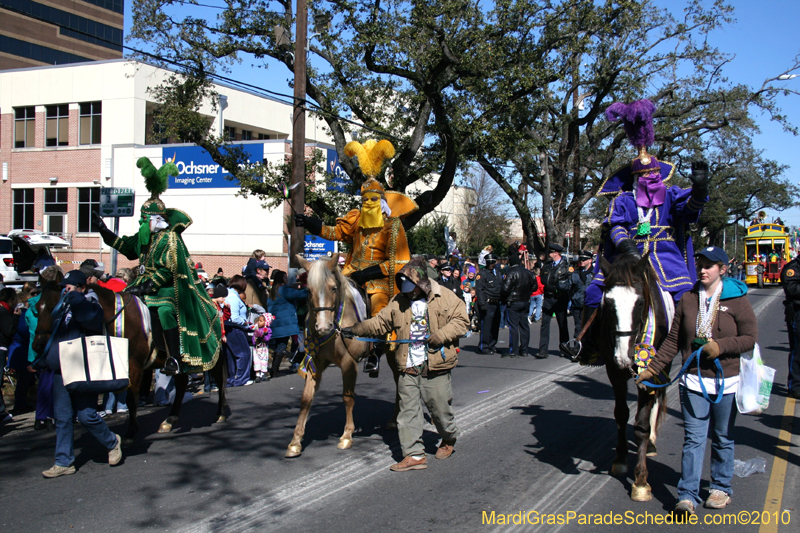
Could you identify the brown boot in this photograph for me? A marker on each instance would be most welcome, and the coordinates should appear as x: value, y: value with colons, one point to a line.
x: 409, y: 463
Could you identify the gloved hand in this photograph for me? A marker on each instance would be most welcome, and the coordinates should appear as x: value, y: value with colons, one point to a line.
x: 108, y: 236
x: 313, y: 225
x: 646, y: 375
x: 97, y: 221
x: 347, y: 333
x: 628, y: 247
x: 146, y: 287
x: 710, y: 350
x: 699, y: 176
x: 436, y: 341
x: 360, y: 277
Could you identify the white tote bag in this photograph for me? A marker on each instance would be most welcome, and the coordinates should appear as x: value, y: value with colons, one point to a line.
x: 755, y: 384
x: 97, y: 363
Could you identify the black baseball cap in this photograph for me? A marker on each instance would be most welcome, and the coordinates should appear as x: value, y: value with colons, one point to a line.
x: 406, y: 285
x: 73, y: 277
x: 713, y: 253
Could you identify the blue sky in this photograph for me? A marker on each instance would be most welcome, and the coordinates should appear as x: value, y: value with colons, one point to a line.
x: 764, y: 40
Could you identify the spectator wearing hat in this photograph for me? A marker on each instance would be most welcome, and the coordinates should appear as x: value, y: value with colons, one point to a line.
x: 257, y: 279
x: 556, y: 277
x: 450, y: 282
x: 581, y: 278
x: 92, y: 270
x: 430, y: 269
x: 79, y: 315
x: 488, y: 286
x: 518, y: 285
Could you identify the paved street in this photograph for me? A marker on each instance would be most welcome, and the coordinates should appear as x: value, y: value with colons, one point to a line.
x: 535, y: 435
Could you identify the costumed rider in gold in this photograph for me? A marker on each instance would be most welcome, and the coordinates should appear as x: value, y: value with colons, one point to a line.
x: 167, y: 280
x: 374, y: 233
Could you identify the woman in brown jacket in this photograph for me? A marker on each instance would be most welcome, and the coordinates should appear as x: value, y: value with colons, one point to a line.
x: 717, y: 316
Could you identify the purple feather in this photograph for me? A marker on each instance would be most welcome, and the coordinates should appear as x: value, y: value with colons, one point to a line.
x: 637, y: 119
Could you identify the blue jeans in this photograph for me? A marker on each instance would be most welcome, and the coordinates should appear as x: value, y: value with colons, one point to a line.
x: 698, y: 416
x: 164, y: 393
x: 66, y: 405
x: 117, y: 398
x: 536, y: 307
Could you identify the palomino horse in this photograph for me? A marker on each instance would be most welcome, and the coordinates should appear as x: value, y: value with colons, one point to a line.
x: 124, y: 316
x: 331, y: 307
x: 633, y: 314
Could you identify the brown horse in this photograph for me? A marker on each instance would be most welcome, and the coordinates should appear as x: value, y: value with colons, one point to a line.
x: 124, y: 317
x: 632, y: 300
x: 331, y: 307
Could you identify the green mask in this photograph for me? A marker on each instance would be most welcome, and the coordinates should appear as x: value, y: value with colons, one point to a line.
x: 144, y: 230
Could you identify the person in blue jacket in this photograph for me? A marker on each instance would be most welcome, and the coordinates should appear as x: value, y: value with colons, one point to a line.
x: 281, y: 305
x: 77, y: 314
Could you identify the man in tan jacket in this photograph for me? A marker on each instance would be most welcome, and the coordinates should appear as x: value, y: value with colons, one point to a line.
x: 436, y: 318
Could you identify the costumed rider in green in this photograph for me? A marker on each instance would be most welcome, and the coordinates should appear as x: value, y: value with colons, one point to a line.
x: 166, y: 279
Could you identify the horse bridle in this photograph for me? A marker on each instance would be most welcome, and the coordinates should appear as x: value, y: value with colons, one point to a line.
x: 628, y: 333
x: 334, y: 309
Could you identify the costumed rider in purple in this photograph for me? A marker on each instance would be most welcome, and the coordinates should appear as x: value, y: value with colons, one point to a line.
x: 645, y: 216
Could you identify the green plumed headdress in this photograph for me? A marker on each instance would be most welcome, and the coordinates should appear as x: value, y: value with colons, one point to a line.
x: 156, y: 181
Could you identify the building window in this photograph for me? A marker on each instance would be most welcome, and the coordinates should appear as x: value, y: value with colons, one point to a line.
x: 229, y: 133
x: 247, y: 135
x: 263, y: 137
x: 57, y: 125
x: 24, y: 127
x: 55, y: 201
x: 23, y: 209
x: 88, y: 201
x: 90, y: 123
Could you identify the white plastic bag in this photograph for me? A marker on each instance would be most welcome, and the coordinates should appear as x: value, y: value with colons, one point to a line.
x: 755, y: 384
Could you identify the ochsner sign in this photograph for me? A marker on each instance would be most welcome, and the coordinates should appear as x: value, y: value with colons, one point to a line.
x: 196, y: 169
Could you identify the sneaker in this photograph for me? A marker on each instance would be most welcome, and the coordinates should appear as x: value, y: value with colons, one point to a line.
x: 122, y: 411
x: 684, y: 507
x: 56, y: 471
x: 214, y: 389
x: 445, y: 451
x: 115, y: 454
x: 409, y: 463
x: 249, y: 382
x: 103, y: 414
x: 717, y: 499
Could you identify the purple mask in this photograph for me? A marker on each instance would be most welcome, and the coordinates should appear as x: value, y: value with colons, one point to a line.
x: 651, y: 190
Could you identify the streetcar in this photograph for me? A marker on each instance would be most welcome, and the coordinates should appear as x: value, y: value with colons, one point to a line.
x: 766, y: 252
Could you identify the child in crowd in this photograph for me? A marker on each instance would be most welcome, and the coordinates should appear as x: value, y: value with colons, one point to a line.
x: 261, y: 335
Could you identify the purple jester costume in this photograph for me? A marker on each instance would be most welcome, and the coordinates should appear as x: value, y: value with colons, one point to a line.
x: 644, y: 214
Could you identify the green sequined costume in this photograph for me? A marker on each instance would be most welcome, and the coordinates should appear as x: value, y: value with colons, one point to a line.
x: 180, y: 298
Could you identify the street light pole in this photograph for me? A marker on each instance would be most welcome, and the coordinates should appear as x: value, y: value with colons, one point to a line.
x: 297, y: 240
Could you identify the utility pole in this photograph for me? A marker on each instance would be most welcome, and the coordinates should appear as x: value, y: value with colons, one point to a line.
x: 298, y: 198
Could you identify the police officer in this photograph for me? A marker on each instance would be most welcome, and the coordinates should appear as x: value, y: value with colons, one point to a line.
x: 487, y: 291
x: 581, y: 277
x: 790, y: 281
x: 447, y: 281
x: 518, y: 285
x: 556, y: 277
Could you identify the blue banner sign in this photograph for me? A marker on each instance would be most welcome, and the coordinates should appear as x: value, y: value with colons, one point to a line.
x: 318, y: 248
x: 198, y: 171
x: 340, y: 178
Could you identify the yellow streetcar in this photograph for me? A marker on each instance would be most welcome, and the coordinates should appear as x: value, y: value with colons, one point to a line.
x: 766, y: 252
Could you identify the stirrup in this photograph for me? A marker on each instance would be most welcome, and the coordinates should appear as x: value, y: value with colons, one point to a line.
x: 171, y: 367
x: 571, y: 349
x: 372, y: 365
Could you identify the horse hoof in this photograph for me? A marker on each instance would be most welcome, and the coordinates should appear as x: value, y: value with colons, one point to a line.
x: 619, y: 469
x: 222, y: 418
x: 651, y: 450
x: 294, y: 450
x: 165, y: 427
x: 391, y: 425
x: 641, y: 494
x: 345, y: 444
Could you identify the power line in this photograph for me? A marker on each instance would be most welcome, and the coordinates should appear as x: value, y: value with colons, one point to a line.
x: 253, y: 88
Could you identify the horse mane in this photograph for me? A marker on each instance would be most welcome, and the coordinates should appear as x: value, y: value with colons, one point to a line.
x: 319, y: 272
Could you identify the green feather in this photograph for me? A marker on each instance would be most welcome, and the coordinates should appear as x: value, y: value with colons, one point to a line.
x: 155, y: 181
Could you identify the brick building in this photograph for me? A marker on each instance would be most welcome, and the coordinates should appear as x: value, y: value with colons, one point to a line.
x: 67, y: 131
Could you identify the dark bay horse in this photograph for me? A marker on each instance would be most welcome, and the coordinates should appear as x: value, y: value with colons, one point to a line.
x: 126, y: 316
x: 633, y: 314
x: 331, y: 307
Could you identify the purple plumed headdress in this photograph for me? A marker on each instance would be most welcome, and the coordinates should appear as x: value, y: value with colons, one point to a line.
x: 637, y: 119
